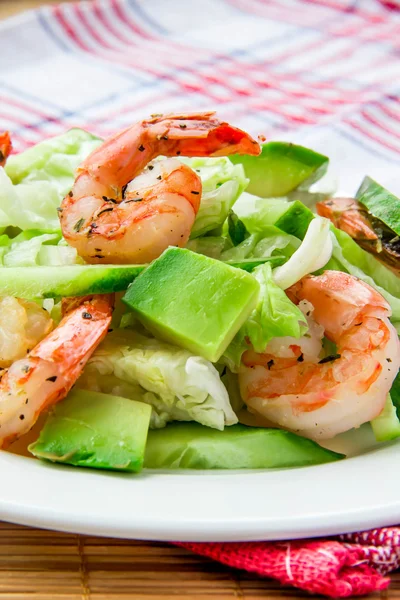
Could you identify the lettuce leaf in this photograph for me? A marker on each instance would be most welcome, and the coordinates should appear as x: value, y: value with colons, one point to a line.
x: 222, y: 184
x: 35, y: 181
x: 178, y: 385
x: 274, y: 316
x: 349, y: 257
x: 35, y: 247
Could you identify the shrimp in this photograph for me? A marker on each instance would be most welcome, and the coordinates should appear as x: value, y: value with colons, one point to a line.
x: 23, y: 324
x: 46, y: 375
x: 109, y: 218
x: 319, y: 398
x: 5, y: 147
x: 372, y: 235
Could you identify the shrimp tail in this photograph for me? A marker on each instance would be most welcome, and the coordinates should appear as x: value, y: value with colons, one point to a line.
x: 5, y: 147
x: 202, y: 134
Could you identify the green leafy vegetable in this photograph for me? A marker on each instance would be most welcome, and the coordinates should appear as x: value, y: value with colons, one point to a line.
x: 178, y: 385
x: 190, y: 446
x: 35, y: 181
x: 350, y: 258
x: 222, y: 184
x: 274, y: 316
x: 237, y: 229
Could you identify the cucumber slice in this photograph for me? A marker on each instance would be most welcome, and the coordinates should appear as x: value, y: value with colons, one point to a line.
x: 280, y: 168
x: 387, y: 425
x: 89, y: 429
x: 192, y: 446
x: 72, y: 280
x: 380, y: 203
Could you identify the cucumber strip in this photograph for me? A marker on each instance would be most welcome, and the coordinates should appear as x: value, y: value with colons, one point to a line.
x: 71, y: 280
x: 387, y: 425
x: 192, y: 446
x: 280, y: 168
x: 380, y: 203
x: 90, y: 429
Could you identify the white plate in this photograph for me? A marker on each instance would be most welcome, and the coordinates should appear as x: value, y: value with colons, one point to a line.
x: 358, y: 493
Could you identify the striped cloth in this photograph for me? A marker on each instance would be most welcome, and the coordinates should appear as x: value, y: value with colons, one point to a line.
x: 325, y: 73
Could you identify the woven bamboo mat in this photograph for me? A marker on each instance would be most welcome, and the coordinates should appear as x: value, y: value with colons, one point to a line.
x: 43, y: 565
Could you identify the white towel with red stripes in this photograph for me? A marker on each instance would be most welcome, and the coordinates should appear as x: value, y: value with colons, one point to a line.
x: 323, y: 73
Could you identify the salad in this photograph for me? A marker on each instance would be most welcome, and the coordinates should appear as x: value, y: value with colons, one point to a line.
x: 182, y: 296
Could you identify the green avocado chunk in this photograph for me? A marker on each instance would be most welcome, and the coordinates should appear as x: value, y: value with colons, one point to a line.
x: 295, y: 220
x: 280, y: 168
x: 71, y: 280
x: 380, y: 203
x: 193, y: 446
x: 193, y: 301
x: 89, y: 429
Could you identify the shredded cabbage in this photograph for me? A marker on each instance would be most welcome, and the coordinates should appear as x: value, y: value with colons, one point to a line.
x: 35, y: 181
x: 313, y: 254
x: 178, y: 385
x: 222, y: 184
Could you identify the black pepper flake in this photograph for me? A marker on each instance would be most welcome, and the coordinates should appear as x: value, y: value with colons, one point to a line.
x: 133, y: 200
x: 105, y: 210
x: 53, y: 378
x: 357, y: 324
x: 59, y: 209
x: 26, y: 401
x: 389, y: 360
x: 98, y: 256
x: 150, y: 167
x: 22, y: 417
x: 329, y: 358
x: 141, y: 148
x: 270, y: 364
x: 195, y: 193
x: 159, y: 177
x: 78, y: 225
x: 300, y: 358
x: 182, y: 125
x: 109, y: 330
x: 86, y: 315
x: 98, y: 249
x: 26, y: 369
x: 70, y: 194
x: 93, y: 226
x: 178, y: 152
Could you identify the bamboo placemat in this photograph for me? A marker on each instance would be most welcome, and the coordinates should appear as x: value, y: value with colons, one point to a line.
x: 43, y: 565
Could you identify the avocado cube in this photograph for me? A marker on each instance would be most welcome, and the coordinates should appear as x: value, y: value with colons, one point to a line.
x: 193, y: 301
x: 90, y: 429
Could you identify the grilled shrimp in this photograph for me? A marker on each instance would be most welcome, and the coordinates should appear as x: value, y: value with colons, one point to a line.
x: 5, y: 147
x: 293, y: 387
x: 372, y: 235
x: 22, y: 325
x: 46, y: 375
x: 110, y: 217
